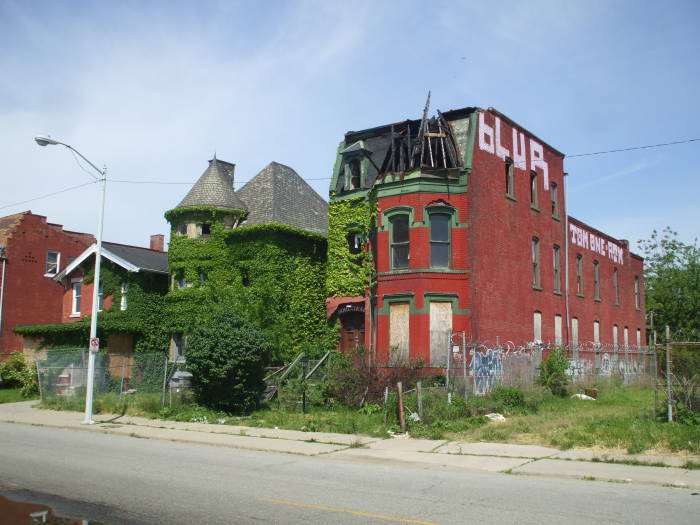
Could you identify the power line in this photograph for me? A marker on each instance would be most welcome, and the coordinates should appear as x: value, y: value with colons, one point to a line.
x: 632, y: 148
x: 48, y: 195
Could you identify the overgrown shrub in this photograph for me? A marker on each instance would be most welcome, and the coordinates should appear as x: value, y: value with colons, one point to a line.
x: 16, y: 373
x: 553, y: 372
x: 227, y: 356
x: 508, y: 396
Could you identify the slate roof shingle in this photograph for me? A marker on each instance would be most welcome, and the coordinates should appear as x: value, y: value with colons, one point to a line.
x: 279, y: 194
x: 214, y: 188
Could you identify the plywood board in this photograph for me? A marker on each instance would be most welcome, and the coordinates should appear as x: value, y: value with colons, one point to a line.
x: 440, y: 330
x: 399, y: 332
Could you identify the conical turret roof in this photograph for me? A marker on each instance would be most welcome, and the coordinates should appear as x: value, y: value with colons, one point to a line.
x: 278, y: 194
x: 214, y: 188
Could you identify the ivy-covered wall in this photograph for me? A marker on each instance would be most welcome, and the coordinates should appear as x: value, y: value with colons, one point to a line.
x: 271, y: 274
x: 142, y: 318
x: 349, y: 273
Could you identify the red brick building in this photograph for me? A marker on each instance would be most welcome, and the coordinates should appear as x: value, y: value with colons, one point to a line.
x: 32, y: 252
x: 471, y: 233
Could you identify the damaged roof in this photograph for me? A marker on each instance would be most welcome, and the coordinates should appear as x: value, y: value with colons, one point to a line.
x: 278, y: 194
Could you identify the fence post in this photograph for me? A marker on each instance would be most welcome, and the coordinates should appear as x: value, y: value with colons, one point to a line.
x: 165, y: 380
x: 419, y: 396
x: 669, y: 400
x: 464, y: 362
x: 402, y: 420
x: 386, y: 394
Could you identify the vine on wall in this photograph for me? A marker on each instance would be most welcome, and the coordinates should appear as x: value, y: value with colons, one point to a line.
x: 349, y: 273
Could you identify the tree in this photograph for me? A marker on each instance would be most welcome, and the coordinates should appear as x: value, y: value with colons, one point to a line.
x: 227, y: 357
x: 672, y: 275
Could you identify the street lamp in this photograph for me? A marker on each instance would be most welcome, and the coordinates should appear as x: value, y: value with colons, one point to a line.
x: 94, y: 342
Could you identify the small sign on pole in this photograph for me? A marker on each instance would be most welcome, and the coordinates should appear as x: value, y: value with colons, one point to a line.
x: 94, y: 344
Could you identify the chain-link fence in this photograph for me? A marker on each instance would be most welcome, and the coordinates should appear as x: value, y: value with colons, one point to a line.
x: 63, y: 373
x: 476, y: 369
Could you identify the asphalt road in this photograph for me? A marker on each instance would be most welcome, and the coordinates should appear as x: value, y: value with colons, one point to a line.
x: 116, y: 479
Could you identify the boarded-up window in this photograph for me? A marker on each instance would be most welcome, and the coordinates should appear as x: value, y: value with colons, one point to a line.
x: 626, y: 338
x: 574, y: 331
x: 557, y: 329
x: 440, y: 330
x: 596, y: 332
x: 615, y: 336
x: 639, y: 338
x: 398, y: 332
x: 537, y: 322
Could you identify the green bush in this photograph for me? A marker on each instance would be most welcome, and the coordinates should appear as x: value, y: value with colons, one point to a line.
x: 509, y: 396
x: 553, y: 372
x: 16, y: 373
x: 227, y: 357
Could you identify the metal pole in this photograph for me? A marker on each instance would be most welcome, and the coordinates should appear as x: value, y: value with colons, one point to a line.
x: 165, y: 381
x: 669, y: 401
x: 419, y: 397
x: 2, y: 285
x: 95, y: 304
x: 402, y: 420
x: 464, y: 362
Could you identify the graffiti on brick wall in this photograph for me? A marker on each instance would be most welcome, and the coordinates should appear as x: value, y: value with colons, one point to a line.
x: 488, y: 368
x: 576, y: 369
x: 597, y: 244
x: 490, y: 140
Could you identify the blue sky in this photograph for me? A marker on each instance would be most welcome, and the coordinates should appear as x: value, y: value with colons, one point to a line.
x: 153, y: 89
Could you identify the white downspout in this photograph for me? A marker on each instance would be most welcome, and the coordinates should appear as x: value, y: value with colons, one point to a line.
x: 2, y: 283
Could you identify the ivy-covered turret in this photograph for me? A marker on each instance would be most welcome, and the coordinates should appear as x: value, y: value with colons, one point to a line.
x: 260, y: 251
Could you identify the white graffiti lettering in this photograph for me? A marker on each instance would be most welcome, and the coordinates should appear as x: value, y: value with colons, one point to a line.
x: 485, y: 131
x: 597, y: 244
x: 500, y: 150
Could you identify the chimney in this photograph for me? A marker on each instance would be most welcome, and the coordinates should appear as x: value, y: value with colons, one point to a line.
x: 158, y: 242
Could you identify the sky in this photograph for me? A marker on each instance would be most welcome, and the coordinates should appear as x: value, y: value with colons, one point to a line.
x: 152, y: 90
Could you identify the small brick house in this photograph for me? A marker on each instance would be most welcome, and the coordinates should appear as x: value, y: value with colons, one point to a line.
x: 468, y: 231
x: 32, y: 252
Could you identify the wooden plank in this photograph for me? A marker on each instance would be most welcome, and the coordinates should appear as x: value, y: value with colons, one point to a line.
x: 440, y: 330
x: 399, y: 326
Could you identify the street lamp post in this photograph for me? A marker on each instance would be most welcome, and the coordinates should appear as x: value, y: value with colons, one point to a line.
x: 48, y: 141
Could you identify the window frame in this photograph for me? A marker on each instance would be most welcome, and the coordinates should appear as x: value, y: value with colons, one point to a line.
x: 556, y: 267
x: 596, y: 281
x: 76, y: 297
x: 579, y: 275
x: 449, y: 213
x: 57, y: 263
x: 509, y: 178
x: 534, y: 200
x: 394, y: 244
x: 554, y: 192
x: 637, y: 293
x: 616, y: 286
x: 537, y: 326
x: 535, y: 262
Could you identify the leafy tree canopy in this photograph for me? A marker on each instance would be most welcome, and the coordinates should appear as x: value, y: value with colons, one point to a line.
x: 672, y: 274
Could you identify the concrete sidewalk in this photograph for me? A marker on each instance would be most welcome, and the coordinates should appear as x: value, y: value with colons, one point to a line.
x: 528, y: 460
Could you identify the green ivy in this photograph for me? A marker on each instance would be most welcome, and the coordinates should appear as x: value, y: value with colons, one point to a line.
x: 349, y: 274
x: 201, y: 214
x: 143, y: 317
x: 273, y: 275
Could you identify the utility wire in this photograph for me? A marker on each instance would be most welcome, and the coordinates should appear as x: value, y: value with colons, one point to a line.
x: 77, y: 161
x: 633, y: 148
x: 319, y: 178
x: 49, y: 194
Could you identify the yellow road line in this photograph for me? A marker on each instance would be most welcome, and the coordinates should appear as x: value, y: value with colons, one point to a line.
x: 356, y: 512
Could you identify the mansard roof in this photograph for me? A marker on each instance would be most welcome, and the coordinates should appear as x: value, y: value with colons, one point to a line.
x: 278, y: 194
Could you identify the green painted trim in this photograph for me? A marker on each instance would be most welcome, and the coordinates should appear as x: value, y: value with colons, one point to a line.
x: 336, y: 168
x: 511, y: 197
x: 436, y: 297
x: 397, y: 298
x: 360, y: 193
x: 556, y: 218
x: 423, y: 270
x: 394, y: 189
x: 534, y: 208
x: 537, y: 288
x: 387, y: 215
x: 471, y: 136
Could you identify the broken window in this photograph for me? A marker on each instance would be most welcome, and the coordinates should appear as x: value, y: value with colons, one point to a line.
x: 206, y: 229
x: 533, y: 189
x: 535, y: 262
x: 354, y: 243
x: 399, y: 241
x: 355, y: 174
x: 510, y: 189
x: 52, y: 261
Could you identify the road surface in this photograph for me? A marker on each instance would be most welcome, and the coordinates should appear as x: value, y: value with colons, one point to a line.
x: 125, y: 480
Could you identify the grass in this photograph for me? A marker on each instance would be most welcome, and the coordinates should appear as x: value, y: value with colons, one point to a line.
x: 619, y: 419
x: 13, y: 395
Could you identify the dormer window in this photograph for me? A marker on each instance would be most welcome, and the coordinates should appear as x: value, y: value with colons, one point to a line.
x: 355, y: 174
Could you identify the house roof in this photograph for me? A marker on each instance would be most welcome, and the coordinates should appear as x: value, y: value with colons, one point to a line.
x: 214, y: 188
x: 131, y: 258
x: 278, y: 194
